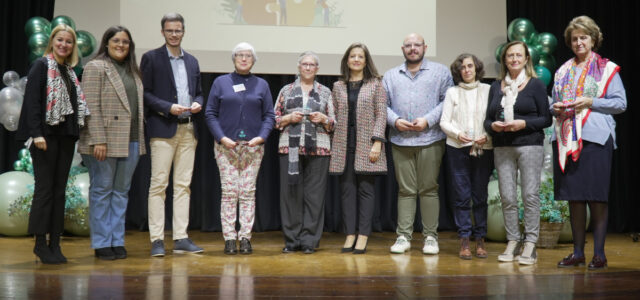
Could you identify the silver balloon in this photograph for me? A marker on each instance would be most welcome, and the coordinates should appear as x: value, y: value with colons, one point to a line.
x: 10, y: 122
x: 10, y: 100
x: 21, y: 85
x: 10, y: 77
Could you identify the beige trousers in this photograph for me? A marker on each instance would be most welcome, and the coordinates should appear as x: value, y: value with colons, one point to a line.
x: 178, y: 151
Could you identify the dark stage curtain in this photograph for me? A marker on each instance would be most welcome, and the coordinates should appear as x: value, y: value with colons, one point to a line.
x: 205, y: 186
x: 13, y: 56
x: 620, y: 25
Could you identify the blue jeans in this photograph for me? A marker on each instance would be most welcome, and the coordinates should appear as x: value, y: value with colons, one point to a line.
x: 469, y: 177
x: 108, y: 196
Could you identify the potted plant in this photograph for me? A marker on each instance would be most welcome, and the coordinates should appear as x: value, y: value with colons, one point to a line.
x: 553, y: 215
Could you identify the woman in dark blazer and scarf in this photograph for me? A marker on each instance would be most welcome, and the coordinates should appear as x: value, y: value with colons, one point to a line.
x: 53, y: 112
x: 358, y: 142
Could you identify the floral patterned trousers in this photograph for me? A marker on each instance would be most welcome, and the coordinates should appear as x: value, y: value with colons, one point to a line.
x: 238, y: 173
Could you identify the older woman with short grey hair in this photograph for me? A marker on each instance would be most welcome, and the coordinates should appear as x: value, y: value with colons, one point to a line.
x: 305, y: 117
x: 239, y: 114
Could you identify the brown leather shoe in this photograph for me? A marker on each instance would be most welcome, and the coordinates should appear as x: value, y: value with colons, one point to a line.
x: 571, y: 261
x: 481, y: 252
x: 465, y: 252
x: 597, y: 263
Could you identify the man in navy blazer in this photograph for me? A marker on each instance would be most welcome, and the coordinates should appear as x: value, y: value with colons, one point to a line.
x: 172, y: 95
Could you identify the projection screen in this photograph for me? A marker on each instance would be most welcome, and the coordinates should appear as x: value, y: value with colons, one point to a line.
x: 281, y: 29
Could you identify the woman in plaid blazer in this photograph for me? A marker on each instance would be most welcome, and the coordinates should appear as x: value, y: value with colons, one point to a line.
x: 114, y: 138
x: 358, y: 143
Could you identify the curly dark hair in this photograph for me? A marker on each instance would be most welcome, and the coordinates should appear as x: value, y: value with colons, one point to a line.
x: 457, y: 64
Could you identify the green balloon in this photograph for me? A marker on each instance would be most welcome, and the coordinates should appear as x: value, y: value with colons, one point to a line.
x: 24, y: 152
x: 33, y: 56
x: 78, y: 70
x: 18, y: 165
x: 535, y: 55
x: 547, y: 42
x: 499, y: 50
x: 547, y: 61
x: 86, y: 42
x: 521, y: 29
x: 63, y: 20
x: 74, y: 226
x: 12, y: 186
x: 38, y: 43
x: 543, y: 74
x: 37, y: 24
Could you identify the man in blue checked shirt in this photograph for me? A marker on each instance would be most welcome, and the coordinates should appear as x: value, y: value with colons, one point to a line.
x: 416, y: 90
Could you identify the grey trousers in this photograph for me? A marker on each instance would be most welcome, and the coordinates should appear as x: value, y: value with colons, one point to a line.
x: 302, y: 204
x: 528, y: 160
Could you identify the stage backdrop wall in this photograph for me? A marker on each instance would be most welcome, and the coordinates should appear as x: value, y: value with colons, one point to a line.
x: 616, y: 19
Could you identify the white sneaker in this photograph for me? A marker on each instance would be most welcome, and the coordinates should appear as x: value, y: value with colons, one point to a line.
x: 511, y: 252
x: 401, y: 245
x: 529, y: 255
x: 430, y: 246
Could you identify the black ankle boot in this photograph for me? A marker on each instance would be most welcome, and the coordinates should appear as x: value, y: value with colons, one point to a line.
x: 54, y: 246
x: 43, y: 252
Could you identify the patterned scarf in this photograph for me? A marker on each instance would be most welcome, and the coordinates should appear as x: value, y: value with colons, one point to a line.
x: 293, y: 102
x: 566, y: 89
x: 58, y: 100
x: 510, y: 92
x: 476, y: 150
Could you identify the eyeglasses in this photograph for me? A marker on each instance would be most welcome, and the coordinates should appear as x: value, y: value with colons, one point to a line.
x: 414, y: 45
x: 308, y: 65
x: 172, y: 32
x: 121, y: 42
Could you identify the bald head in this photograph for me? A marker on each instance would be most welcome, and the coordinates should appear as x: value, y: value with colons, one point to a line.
x: 413, y: 37
x: 414, y: 48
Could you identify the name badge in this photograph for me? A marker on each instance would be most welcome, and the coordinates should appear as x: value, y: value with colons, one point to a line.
x: 239, y: 88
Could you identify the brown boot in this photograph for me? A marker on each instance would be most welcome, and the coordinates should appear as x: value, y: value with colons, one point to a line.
x: 465, y: 252
x: 480, y: 250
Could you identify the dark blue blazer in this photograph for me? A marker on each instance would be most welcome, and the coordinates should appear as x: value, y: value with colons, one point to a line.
x: 160, y: 91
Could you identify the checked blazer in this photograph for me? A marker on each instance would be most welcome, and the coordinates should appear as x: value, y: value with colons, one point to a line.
x: 371, y: 121
x: 110, y: 119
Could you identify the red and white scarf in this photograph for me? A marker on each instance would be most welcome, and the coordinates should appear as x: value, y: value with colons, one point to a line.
x: 58, y: 99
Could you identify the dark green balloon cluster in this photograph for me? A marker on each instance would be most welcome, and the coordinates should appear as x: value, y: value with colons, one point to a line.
x: 24, y: 162
x: 540, y: 45
x: 38, y: 29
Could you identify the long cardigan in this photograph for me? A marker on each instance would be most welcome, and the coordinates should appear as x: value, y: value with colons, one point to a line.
x: 371, y: 112
x: 110, y: 119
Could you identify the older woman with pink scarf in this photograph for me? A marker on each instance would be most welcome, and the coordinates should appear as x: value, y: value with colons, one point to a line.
x: 587, y: 92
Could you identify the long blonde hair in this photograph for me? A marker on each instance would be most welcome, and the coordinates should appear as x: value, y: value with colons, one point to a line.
x: 72, y: 59
x: 503, y: 58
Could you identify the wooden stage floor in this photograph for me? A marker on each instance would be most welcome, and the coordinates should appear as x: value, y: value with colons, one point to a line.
x: 326, y: 274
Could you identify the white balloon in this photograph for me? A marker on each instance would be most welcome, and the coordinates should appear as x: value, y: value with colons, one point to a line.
x: 21, y: 85
x: 11, y: 122
x: 10, y: 99
x: 10, y: 77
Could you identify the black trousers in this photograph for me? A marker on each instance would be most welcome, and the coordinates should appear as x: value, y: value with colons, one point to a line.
x: 302, y: 204
x: 51, y: 171
x: 358, y: 199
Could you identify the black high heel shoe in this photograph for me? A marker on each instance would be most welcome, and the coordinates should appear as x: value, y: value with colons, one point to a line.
x: 54, y: 246
x: 350, y: 249
x: 42, y: 251
x: 360, y: 251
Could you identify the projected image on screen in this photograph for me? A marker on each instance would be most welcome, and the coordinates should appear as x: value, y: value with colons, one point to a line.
x: 282, y: 29
x: 316, y: 13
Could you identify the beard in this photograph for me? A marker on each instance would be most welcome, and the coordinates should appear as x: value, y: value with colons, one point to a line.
x: 413, y: 61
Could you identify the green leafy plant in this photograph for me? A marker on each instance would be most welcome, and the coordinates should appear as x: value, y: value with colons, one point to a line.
x: 551, y: 211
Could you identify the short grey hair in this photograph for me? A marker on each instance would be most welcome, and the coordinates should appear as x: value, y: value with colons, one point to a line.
x: 309, y: 53
x: 242, y: 47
